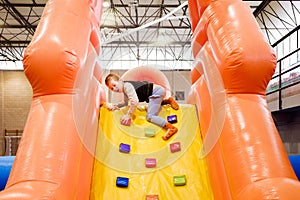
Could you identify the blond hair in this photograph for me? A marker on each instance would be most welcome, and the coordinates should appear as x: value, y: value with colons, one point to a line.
x: 110, y: 77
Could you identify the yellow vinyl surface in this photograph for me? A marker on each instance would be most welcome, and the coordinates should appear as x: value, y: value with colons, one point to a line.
x: 110, y: 163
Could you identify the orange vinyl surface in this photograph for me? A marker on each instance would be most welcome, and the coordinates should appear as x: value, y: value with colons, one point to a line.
x: 234, y: 63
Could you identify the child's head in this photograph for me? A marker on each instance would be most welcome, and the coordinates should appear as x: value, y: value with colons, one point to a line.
x: 111, y: 81
x: 110, y: 77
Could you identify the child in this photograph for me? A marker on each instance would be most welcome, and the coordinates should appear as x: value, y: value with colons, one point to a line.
x: 140, y: 91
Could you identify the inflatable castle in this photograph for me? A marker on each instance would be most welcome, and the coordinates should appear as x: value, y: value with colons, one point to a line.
x: 227, y: 146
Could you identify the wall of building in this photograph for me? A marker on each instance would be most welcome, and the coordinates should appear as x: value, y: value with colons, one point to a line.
x: 287, y: 118
x: 288, y: 124
x: 15, y: 100
x: 290, y: 98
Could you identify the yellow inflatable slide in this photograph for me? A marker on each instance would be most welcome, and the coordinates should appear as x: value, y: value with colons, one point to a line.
x: 159, y: 178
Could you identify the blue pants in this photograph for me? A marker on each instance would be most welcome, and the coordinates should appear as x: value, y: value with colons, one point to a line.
x: 154, y: 106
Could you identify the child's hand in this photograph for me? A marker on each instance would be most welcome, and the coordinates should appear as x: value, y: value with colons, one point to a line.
x: 125, y: 120
x: 113, y: 108
x: 110, y: 106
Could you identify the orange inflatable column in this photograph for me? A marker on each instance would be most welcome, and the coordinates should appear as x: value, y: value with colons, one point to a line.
x: 255, y: 163
x: 216, y: 169
x: 52, y: 162
x: 194, y: 13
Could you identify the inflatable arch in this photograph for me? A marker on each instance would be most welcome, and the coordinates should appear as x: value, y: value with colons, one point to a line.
x: 233, y: 65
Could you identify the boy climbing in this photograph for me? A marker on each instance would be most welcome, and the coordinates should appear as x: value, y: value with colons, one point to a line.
x: 142, y: 91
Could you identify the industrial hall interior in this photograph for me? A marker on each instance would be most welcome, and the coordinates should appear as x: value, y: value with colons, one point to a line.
x: 149, y: 99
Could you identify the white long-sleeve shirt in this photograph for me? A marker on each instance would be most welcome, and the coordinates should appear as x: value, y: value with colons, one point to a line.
x: 130, y: 98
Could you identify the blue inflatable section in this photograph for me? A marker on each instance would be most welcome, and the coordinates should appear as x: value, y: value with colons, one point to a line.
x: 295, y: 161
x: 6, y: 163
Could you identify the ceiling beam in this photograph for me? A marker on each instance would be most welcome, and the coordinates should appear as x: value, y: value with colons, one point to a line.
x: 19, y: 26
x: 147, y: 5
x: 41, y: 5
x: 18, y: 17
x: 181, y: 43
x: 261, y: 7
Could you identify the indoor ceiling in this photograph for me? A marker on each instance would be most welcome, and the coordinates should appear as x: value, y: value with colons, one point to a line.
x: 138, y: 30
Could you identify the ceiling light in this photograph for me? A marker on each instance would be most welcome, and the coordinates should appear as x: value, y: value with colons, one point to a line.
x: 106, y: 4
